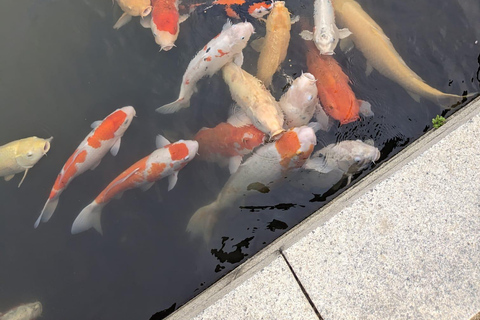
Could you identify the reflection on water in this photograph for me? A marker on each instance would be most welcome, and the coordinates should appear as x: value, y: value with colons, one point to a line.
x: 63, y: 67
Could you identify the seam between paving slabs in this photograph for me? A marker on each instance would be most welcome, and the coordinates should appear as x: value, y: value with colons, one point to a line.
x: 265, y: 256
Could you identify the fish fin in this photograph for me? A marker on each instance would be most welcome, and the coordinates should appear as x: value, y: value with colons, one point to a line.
x: 123, y: 20
x: 234, y: 163
x: 306, y: 35
x: 415, y: 96
x: 203, y: 221
x: 89, y: 217
x: 318, y: 164
x: 227, y: 25
x: 161, y: 141
x: 343, y: 165
x: 115, y: 147
x: 349, y: 176
x: 118, y: 196
x: 146, y: 22
x: 322, y: 118
x: 343, y: 33
x: 146, y: 186
x: 23, y: 178
x: 47, y: 211
x: 346, y: 44
x: 366, y: 108
x: 258, y: 44
x: 172, y: 180
x: 368, y: 69
x: 294, y: 19
x: 95, y: 165
x: 238, y: 59
x: 370, y: 142
x: 174, y: 106
x: 95, y: 124
x: 183, y: 17
x: 8, y: 178
x: 238, y: 117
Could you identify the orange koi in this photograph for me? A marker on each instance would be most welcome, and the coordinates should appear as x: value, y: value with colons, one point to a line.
x: 166, y: 161
x: 106, y: 135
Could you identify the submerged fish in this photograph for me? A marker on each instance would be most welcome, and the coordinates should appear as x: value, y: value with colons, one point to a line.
x: 349, y: 157
x: 334, y: 91
x: 300, y: 101
x: 381, y: 55
x: 164, y: 22
x: 244, y: 9
x: 29, y: 311
x: 106, y: 135
x: 267, y: 166
x: 222, y: 49
x: 255, y: 100
x: 275, y: 43
x: 131, y: 8
x: 227, y: 143
x: 325, y: 33
x: 21, y: 155
x: 166, y: 161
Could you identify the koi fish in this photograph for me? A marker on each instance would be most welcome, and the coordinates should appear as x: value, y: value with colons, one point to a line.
x: 225, y: 47
x: 370, y: 39
x: 275, y: 43
x: 131, y: 8
x: 29, y: 311
x: 228, y: 142
x: 106, y: 135
x: 244, y: 9
x: 255, y: 100
x: 267, y: 166
x: 300, y: 102
x: 21, y: 155
x: 348, y: 156
x: 325, y: 33
x: 334, y: 91
x: 166, y: 161
x: 164, y: 22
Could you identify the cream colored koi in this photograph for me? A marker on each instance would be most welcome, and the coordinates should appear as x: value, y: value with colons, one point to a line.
x: 276, y: 42
x: 257, y: 102
x: 370, y: 39
x: 21, y: 155
x: 131, y: 8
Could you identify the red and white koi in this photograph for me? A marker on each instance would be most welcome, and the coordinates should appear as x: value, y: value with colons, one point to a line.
x: 106, y: 135
x: 267, y: 166
x: 166, y: 161
x: 165, y: 22
x: 224, y: 48
x: 242, y: 9
x: 131, y: 8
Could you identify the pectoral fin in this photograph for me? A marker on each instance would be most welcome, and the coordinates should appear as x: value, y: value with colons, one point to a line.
x: 366, y: 108
x: 124, y: 19
x: 95, y: 124
x: 258, y: 44
x: 346, y: 44
x: 146, y: 22
x: 306, y: 35
x: 318, y: 164
x: 322, y: 118
x: 115, y: 147
x: 294, y: 19
x: 24, y: 175
x: 161, y: 141
x: 369, y: 69
x: 146, y: 186
x: 415, y: 96
x: 343, y: 33
x: 183, y: 18
x: 238, y: 59
x: 95, y: 165
x: 234, y: 163
x: 172, y: 180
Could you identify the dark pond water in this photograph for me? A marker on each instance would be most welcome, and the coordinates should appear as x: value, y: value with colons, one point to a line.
x: 62, y: 66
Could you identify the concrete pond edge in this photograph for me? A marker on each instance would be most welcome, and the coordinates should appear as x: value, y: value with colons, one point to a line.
x: 265, y: 256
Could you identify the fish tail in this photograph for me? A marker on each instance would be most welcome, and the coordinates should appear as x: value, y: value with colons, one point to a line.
x: 89, y: 217
x: 448, y: 101
x: 203, y: 221
x: 174, y: 106
x: 47, y: 211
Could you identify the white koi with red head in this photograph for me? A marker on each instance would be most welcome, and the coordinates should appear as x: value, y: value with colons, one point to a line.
x: 224, y: 48
x: 166, y: 161
x: 105, y: 136
x: 266, y: 167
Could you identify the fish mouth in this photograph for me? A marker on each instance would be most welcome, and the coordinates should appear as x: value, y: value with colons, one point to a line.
x: 310, y: 77
x: 276, y: 134
x: 46, y: 146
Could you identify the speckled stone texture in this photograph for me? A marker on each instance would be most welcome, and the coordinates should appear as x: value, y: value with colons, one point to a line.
x: 407, y: 249
x: 272, y: 293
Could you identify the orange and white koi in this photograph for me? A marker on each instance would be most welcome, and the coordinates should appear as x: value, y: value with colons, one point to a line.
x: 255, y: 100
x: 131, y: 8
x: 222, y: 49
x: 275, y: 44
x: 243, y: 9
x: 106, y: 135
x: 164, y: 22
x: 336, y: 95
x: 228, y: 142
x: 267, y: 166
x: 166, y: 161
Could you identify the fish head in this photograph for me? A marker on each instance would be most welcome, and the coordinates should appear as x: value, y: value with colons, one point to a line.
x: 299, y: 102
x: 354, y: 155
x: 122, y: 118
x: 250, y: 137
x: 259, y: 9
x: 35, y: 309
x: 137, y: 8
x: 182, y: 152
x: 325, y: 40
x: 165, y: 39
x: 341, y: 104
x: 295, y: 146
x: 239, y: 35
x: 31, y: 150
x: 308, y: 92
